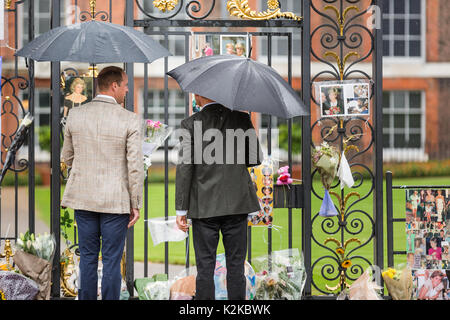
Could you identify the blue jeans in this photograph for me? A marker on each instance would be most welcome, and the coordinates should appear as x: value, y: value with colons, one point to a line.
x: 111, y: 230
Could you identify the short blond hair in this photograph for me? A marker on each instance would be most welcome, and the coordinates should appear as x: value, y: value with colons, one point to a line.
x: 76, y: 82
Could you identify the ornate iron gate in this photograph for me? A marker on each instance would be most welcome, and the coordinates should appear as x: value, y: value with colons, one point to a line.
x: 339, y: 34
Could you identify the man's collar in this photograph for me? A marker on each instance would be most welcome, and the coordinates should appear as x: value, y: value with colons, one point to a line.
x: 104, y: 96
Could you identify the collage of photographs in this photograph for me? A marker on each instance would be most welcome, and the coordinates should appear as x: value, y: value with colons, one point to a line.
x: 346, y: 99
x: 262, y: 178
x: 427, y: 242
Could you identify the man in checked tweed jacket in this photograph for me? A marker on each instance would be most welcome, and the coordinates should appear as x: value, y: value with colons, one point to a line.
x: 103, y: 147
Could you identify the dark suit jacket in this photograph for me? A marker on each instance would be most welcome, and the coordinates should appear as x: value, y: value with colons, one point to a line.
x: 216, y: 189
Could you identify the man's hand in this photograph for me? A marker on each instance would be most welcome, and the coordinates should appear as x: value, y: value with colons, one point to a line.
x: 182, y: 223
x: 134, y: 216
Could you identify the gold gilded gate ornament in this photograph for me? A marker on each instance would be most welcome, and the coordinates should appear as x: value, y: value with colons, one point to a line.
x: 165, y: 5
x: 241, y: 9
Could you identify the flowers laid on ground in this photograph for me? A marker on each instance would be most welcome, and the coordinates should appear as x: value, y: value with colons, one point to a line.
x: 281, y: 276
x: 41, y: 246
x: 399, y: 283
x: 364, y: 288
x: 155, y: 133
x: 34, y: 257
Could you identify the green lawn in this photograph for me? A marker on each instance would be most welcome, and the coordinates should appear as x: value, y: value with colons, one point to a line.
x: 280, y: 236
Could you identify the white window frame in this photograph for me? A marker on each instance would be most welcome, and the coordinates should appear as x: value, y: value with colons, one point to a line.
x: 40, y: 155
x: 422, y: 37
x: 277, y: 58
x: 405, y: 154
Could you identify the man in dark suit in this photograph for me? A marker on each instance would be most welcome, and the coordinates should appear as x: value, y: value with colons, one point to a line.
x: 214, y: 189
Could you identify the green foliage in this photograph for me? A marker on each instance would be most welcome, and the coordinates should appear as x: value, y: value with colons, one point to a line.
x: 44, y: 133
x: 66, y: 222
x: 283, y: 137
x: 22, y: 179
x: 45, y: 138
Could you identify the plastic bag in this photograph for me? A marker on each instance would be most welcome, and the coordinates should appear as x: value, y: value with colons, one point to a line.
x: 280, y: 276
x: 163, y: 230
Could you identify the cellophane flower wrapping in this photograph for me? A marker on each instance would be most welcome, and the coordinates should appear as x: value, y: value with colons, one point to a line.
x: 155, y: 288
x: 399, y: 283
x: 33, y: 257
x: 280, y: 275
x: 365, y: 288
x: 155, y: 133
x: 326, y: 159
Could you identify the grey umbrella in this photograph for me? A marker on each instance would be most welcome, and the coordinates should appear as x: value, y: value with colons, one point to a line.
x: 240, y: 84
x: 94, y: 42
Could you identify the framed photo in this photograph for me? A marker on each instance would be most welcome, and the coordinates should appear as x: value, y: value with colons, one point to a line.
x: 77, y: 91
x: 237, y: 45
x: 348, y: 98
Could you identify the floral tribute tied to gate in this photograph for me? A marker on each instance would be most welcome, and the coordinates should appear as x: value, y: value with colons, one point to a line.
x: 155, y: 133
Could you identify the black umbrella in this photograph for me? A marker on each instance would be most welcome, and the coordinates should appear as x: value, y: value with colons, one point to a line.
x: 94, y: 42
x: 240, y: 84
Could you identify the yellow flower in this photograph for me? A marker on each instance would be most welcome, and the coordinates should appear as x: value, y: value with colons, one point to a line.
x: 273, y: 4
x: 340, y: 250
x: 346, y: 263
x: 389, y: 273
x: 3, y: 267
x: 2, y: 295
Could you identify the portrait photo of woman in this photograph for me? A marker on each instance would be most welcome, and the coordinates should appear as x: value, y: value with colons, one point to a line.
x: 332, y: 102
x: 76, y: 97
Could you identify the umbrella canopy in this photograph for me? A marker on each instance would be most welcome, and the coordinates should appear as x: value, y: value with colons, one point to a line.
x: 240, y: 84
x: 94, y: 42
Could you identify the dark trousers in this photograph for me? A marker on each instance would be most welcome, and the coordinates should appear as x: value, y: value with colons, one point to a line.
x: 205, y: 234
x: 111, y: 229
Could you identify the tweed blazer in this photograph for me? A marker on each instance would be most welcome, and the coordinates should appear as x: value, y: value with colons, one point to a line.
x: 216, y: 189
x: 103, y: 147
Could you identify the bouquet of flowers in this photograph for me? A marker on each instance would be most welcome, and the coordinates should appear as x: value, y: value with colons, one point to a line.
x: 154, y: 288
x: 399, y: 283
x: 281, y: 276
x: 34, y: 257
x: 155, y: 133
x: 325, y: 159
